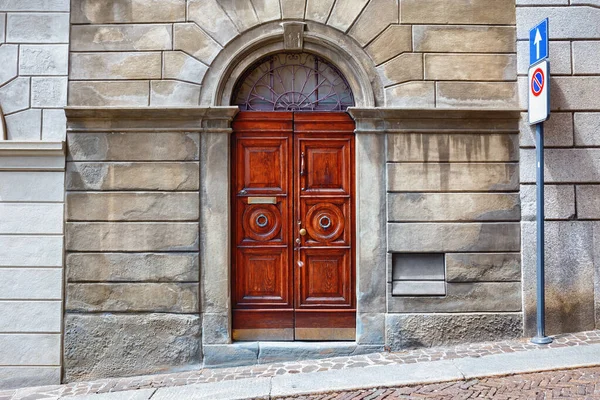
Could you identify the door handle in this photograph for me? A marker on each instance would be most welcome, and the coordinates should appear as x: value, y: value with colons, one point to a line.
x: 302, y: 171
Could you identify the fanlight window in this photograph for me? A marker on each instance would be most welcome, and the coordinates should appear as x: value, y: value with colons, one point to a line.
x: 293, y: 82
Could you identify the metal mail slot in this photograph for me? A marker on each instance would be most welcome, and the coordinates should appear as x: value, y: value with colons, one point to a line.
x: 262, y: 200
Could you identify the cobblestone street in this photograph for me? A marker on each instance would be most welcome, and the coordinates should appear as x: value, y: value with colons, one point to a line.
x: 571, y: 384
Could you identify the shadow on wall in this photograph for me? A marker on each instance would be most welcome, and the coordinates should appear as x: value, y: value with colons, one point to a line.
x: 2, y: 125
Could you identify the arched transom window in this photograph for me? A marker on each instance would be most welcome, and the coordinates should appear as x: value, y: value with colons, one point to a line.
x: 293, y: 82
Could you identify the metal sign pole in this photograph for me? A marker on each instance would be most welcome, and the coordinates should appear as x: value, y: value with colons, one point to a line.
x: 541, y: 337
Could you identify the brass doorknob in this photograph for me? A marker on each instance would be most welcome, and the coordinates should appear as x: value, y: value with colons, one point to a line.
x: 302, y: 232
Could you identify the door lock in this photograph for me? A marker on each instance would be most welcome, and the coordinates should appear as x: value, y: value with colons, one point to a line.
x: 302, y: 232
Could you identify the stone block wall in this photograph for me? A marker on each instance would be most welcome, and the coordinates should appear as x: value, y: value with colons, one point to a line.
x: 572, y: 170
x: 453, y: 189
x: 419, y: 53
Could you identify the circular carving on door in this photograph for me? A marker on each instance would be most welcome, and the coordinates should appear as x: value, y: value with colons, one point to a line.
x: 325, y: 222
x: 262, y: 222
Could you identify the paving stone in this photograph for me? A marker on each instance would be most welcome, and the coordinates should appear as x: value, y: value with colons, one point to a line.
x: 132, y: 267
x: 453, y: 237
x: 104, y: 345
x: 587, y: 129
x: 37, y: 28
x: 178, y: 65
x: 414, y: 147
x: 318, y: 10
x: 242, y: 14
x: 121, y: 37
x: 406, y: 67
x: 558, y: 130
x: 588, y: 201
x: 293, y: 9
x: 142, y: 206
x: 569, y: 271
x: 218, y: 26
x: 395, y: 40
x: 559, y: 202
x: 31, y: 283
x: 411, y: 95
x: 492, y: 12
x: 442, y: 207
x: 31, y: 316
x: 132, y: 176
x: 416, y: 177
x: 561, y: 18
x: 344, y: 13
x: 114, y: 66
x: 174, y: 93
x: 133, y: 146
x: 49, y: 92
x: 131, y: 236
x: 127, y: 11
x: 54, y: 125
x: 496, y: 95
x: 561, y: 57
x: 483, y: 267
x: 30, y: 349
x: 470, y: 67
x: 9, y: 56
x: 14, y: 96
x: 24, y: 125
x: 563, y: 165
x: 376, y: 16
x: 406, y: 331
x: 109, y: 93
x: 464, y: 39
x: 193, y: 40
x: 132, y: 297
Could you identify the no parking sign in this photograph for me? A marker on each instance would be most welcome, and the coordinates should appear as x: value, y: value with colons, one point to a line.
x: 539, y: 92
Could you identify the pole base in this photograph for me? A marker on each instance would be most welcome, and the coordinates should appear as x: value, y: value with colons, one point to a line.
x: 542, y: 340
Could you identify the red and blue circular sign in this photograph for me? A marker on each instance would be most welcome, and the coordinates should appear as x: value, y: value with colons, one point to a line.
x: 537, y: 82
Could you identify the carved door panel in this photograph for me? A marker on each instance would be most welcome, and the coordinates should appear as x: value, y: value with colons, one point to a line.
x: 293, y: 226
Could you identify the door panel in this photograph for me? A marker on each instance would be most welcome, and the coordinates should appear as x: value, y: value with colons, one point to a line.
x: 293, y: 223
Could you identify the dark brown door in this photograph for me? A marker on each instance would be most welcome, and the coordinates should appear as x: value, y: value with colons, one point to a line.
x: 293, y: 226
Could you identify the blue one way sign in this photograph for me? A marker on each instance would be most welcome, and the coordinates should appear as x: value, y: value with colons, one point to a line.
x: 538, y: 42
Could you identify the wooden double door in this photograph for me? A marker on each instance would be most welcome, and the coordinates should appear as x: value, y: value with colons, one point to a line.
x: 293, y: 275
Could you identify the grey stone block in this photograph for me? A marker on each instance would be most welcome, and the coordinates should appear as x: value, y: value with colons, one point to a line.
x: 107, y: 345
x: 395, y: 40
x: 570, y: 276
x: 30, y: 283
x: 132, y: 236
x: 403, y: 68
x: 174, y: 93
x: 317, y: 10
x: 377, y: 15
x: 24, y: 125
x: 9, y: 57
x: 559, y: 202
x: 561, y: 20
x: 17, y: 377
x: 274, y: 352
x: 405, y: 207
x: 407, y: 331
x: 574, y: 92
x: 34, y: 5
x: 558, y: 130
x: 49, y: 92
x: 32, y: 186
x: 496, y: 95
x: 464, y: 39
x: 37, y: 349
x: 587, y: 128
x: 212, y: 19
x: 474, y: 12
x: 588, y: 201
x: 132, y: 297
x: 31, y: 316
x: 147, y: 206
x: 132, y: 267
x: 344, y: 13
x: 37, y: 28
x: 123, y: 37
x: 242, y: 14
x: 561, y: 57
x: 115, y: 66
x: 416, y: 177
x: 292, y: 9
x: 132, y: 176
x: 133, y: 146
x: 268, y: 11
x: 470, y: 67
x: 31, y: 251
x: 483, y: 267
x: 431, y: 147
x: 127, y: 11
x: 370, y: 329
x: 463, y: 298
x: 411, y: 95
x: 178, y: 65
x: 54, y: 125
x: 563, y: 165
x: 236, y: 354
x: 194, y: 41
x: 109, y: 93
x: 15, y: 97
x: 215, y: 328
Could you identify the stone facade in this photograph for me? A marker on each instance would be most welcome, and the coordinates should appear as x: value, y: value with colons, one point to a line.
x: 444, y: 168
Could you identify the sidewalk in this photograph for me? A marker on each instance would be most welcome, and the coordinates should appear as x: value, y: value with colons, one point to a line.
x: 335, y: 374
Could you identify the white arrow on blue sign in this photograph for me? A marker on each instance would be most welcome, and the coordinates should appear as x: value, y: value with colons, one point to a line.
x: 538, y: 42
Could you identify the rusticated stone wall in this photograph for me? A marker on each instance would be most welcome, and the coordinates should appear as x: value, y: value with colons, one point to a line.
x: 572, y: 166
x: 421, y: 53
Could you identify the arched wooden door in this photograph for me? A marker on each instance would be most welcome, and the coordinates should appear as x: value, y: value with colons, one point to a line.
x: 293, y: 274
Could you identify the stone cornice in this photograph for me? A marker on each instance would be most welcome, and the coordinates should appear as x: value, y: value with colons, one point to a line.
x: 209, y: 119
x: 32, y: 156
x: 435, y: 120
